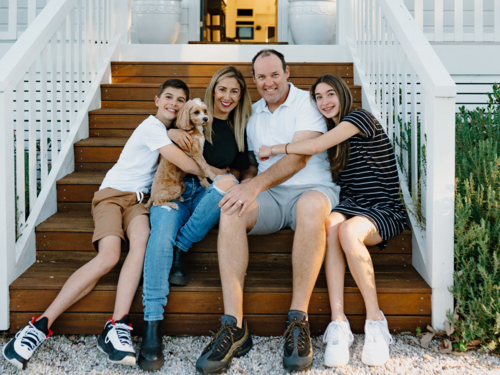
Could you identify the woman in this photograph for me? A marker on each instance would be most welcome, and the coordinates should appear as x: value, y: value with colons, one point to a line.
x: 173, y: 232
x: 369, y: 213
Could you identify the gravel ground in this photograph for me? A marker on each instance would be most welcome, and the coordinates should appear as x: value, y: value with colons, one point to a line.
x: 60, y: 355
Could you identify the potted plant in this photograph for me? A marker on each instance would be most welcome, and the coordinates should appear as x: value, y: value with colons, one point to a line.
x: 157, y: 21
x: 312, y: 21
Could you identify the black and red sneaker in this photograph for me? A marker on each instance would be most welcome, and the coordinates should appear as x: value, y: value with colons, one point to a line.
x: 116, y: 343
x: 19, y: 350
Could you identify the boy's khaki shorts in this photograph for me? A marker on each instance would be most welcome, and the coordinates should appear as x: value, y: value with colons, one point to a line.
x: 112, y: 211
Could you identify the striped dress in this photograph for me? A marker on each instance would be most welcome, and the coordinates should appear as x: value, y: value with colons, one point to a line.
x: 370, y: 183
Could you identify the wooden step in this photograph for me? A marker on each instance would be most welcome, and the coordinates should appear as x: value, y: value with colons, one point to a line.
x: 72, y: 231
x: 146, y: 92
x: 164, y: 70
x: 205, y: 324
x: 402, y: 294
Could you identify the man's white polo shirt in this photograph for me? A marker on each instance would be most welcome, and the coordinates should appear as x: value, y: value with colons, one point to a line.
x: 297, y: 113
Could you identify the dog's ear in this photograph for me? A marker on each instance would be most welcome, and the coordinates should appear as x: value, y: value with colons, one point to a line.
x: 183, y: 116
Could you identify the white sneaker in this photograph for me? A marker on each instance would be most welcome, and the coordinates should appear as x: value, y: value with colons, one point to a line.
x: 116, y: 343
x: 377, y: 341
x: 20, y: 349
x: 338, y: 338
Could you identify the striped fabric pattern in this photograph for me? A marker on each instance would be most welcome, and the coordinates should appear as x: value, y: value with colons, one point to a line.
x: 370, y: 183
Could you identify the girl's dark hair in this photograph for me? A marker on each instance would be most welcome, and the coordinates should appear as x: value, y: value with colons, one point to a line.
x: 176, y: 84
x: 339, y: 154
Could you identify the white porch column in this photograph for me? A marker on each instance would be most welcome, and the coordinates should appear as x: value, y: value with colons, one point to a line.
x: 344, y: 21
x: 123, y: 20
x: 7, y: 205
x: 440, y: 208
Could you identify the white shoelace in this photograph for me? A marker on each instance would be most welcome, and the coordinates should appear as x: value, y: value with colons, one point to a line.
x: 123, y: 332
x: 374, y: 326
x: 140, y: 196
x: 31, y: 337
x: 332, y: 333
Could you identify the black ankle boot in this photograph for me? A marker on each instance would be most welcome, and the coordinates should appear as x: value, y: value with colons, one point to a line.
x: 178, y: 273
x: 151, y: 355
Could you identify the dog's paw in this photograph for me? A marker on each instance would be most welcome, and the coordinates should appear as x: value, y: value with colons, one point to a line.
x: 204, y: 182
x: 175, y: 206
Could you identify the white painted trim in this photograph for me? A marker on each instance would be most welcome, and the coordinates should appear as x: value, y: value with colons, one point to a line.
x: 469, y: 59
x: 24, y: 52
x: 229, y: 53
x: 7, y: 205
x: 46, y: 204
x: 194, y: 20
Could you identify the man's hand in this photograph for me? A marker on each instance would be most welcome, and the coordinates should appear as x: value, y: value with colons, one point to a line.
x: 181, y: 138
x: 239, y: 197
x: 265, y: 152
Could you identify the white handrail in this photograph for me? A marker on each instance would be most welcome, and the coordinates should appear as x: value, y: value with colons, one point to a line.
x: 38, y: 79
x: 407, y: 87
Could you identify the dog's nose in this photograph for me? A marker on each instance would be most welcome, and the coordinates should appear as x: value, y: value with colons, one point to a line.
x: 205, y: 119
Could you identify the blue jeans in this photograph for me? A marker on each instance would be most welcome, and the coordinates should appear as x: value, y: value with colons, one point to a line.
x: 183, y: 227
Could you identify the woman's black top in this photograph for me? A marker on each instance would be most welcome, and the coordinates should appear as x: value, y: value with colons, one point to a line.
x: 370, y: 182
x: 223, y: 151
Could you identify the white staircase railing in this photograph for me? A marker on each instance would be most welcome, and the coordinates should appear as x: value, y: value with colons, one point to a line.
x: 17, y: 15
x: 458, y: 21
x: 407, y: 87
x: 49, y: 80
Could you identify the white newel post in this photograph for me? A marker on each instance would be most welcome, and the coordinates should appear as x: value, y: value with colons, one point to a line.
x: 123, y: 20
x: 440, y: 210
x: 7, y: 204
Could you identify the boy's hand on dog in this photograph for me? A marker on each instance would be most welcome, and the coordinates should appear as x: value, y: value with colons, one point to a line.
x: 181, y: 138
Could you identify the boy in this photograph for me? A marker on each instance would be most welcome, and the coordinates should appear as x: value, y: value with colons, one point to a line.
x: 119, y: 213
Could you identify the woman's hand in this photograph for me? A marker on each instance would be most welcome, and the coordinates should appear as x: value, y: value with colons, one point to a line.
x: 181, y: 138
x: 265, y: 152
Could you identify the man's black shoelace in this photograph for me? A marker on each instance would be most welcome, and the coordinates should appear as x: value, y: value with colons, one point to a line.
x: 303, y: 334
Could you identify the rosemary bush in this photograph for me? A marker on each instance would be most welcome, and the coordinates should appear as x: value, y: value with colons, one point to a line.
x: 477, y: 224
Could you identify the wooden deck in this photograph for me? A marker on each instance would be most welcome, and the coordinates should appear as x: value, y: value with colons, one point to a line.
x: 64, y: 240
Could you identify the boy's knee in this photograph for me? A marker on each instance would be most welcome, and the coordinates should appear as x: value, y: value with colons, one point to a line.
x: 108, y: 260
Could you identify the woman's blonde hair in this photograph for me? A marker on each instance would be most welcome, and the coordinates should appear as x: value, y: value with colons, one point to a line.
x: 339, y: 154
x: 239, y: 116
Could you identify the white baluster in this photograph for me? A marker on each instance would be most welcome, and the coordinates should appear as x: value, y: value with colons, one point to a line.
x: 79, y: 55
x: 71, y: 76
x: 438, y: 20
x: 419, y: 13
x: 478, y: 20
x: 32, y: 173
x: 31, y: 11
x: 496, y: 21
x: 99, y: 37
x: 414, y: 134
x: 43, y: 117
x: 63, y: 80
x: 459, y: 20
x: 20, y: 162
x: 53, y: 76
x: 88, y: 57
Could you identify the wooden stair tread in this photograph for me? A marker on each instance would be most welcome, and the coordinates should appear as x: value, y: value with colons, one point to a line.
x: 102, y: 142
x: 48, y: 275
x: 83, y: 178
x: 122, y: 111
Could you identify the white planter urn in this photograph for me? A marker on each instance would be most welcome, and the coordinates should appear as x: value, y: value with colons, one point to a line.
x: 157, y: 21
x: 312, y: 21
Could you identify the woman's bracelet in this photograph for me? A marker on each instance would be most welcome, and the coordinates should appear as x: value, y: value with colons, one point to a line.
x: 286, y: 151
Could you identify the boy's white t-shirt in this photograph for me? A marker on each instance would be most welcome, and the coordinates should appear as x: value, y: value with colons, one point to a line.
x: 137, y: 164
x: 297, y: 113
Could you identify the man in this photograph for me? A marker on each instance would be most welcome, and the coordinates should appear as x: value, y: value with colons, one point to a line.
x: 288, y: 191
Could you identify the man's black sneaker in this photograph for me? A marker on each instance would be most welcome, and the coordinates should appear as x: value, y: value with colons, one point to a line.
x: 151, y: 356
x: 178, y: 272
x: 297, y: 354
x: 20, y: 349
x: 116, y: 343
x: 229, y: 341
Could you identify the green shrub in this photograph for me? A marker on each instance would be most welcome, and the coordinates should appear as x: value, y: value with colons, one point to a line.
x: 477, y: 224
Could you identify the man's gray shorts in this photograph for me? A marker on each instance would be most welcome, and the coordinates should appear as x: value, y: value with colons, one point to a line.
x: 277, y: 206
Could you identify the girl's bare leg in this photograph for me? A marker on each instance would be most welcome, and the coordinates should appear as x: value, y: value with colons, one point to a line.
x: 130, y: 274
x: 354, y: 235
x: 335, y: 265
x: 85, y: 278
